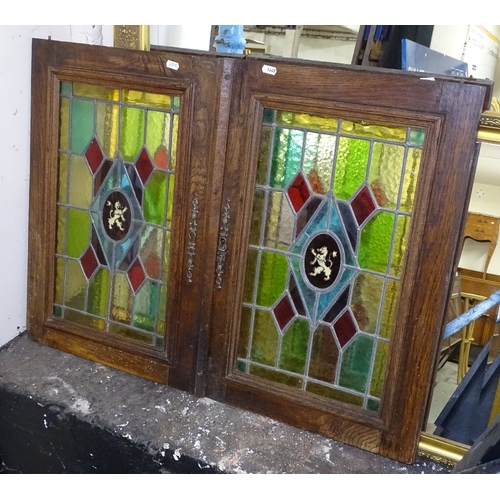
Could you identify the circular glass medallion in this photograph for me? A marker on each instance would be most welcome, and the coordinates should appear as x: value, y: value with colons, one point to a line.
x: 322, y: 260
x: 116, y: 216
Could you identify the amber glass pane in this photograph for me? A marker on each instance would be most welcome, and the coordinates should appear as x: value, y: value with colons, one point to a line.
x: 115, y: 208
x: 328, y: 236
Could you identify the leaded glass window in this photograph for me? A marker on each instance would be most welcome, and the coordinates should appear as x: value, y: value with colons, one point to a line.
x: 116, y: 182
x: 332, y: 210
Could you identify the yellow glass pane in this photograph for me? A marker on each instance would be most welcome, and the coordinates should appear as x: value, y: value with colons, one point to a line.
x: 75, y: 287
x: 318, y: 161
x: 85, y: 319
x: 132, y: 132
x: 147, y: 99
x: 61, y: 230
x: 311, y: 122
x: 62, y: 184
x: 95, y: 91
x: 400, y: 242
x: 170, y: 199
x: 99, y: 293
x: 379, y: 365
x: 389, y: 308
x: 121, y: 300
x: 80, y: 182
x: 250, y: 275
x: 410, y: 179
x: 158, y: 131
x: 64, y: 124
x: 59, y: 282
x: 173, y: 149
x: 107, y: 120
x: 279, y: 222
x: 365, y: 301
x: 166, y: 257
x: 364, y: 129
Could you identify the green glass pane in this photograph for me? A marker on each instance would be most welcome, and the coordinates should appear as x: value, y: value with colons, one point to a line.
x: 107, y: 127
x: 166, y: 257
x: 364, y: 129
x: 95, y: 91
x: 366, y: 300
x: 273, y: 376
x: 150, y: 251
x: 158, y: 131
x: 272, y: 278
x: 170, y: 199
x: 131, y: 334
x: 410, y: 179
x: 279, y: 222
x: 264, y: 152
x: 162, y: 310
x: 378, y: 375
x: 59, y: 281
x: 132, y: 132
x: 155, y: 197
x: 400, y: 241
x: 78, y: 232
x: 373, y: 405
x: 268, y: 116
x: 389, y: 308
x: 417, y: 137
x: 176, y: 102
x: 64, y: 124
x: 294, y: 345
x: 57, y: 311
x: 324, y: 355
x: 287, y: 156
x: 62, y: 178
x: 246, y: 318
x: 351, y: 165
x: 121, y: 300
x: 311, y: 122
x: 356, y: 362
x: 375, y: 242
x: 250, y: 276
x: 82, y: 124
x: 257, y: 216
x: 146, y: 306
x: 75, y: 285
x: 84, y: 319
x: 385, y: 173
x: 147, y: 99
x: 61, y: 230
x: 318, y: 161
x: 336, y: 394
x: 80, y: 182
x: 66, y: 88
x: 173, y: 148
x: 99, y: 293
x: 265, y: 338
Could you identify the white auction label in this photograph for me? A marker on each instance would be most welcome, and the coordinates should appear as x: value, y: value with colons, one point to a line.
x: 173, y: 65
x: 269, y: 70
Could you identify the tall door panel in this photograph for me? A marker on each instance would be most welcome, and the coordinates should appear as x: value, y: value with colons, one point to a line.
x: 343, y: 201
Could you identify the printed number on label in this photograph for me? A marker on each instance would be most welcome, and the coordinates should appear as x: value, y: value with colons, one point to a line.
x: 269, y: 70
x: 173, y: 65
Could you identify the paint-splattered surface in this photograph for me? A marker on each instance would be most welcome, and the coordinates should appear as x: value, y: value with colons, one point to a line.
x: 170, y: 426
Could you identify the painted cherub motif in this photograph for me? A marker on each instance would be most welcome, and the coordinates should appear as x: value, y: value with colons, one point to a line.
x: 324, y: 262
x: 116, y: 215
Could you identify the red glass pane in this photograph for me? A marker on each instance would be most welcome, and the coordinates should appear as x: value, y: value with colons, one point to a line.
x: 283, y: 312
x: 363, y: 205
x: 152, y: 266
x: 161, y: 158
x: 143, y: 166
x: 89, y: 262
x: 345, y: 328
x: 94, y: 156
x: 136, y: 275
x: 298, y: 193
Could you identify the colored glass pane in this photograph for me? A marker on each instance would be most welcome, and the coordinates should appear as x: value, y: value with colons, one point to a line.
x: 78, y: 237
x: 166, y: 254
x: 148, y: 99
x: 339, y: 395
x: 356, y: 363
x: 366, y: 299
x: 294, y: 344
x: 132, y: 334
x: 264, y: 338
x: 80, y: 182
x: 66, y: 88
x: 89, y: 262
x: 345, y: 328
x: 410, y: 180
x: 362, y: 205
x: 279, y: 222
x: 150, y: 251
x: 98, y: 296
x: 364, y: 129
x: 84, y: 319
x: 283, y: 312
x: 246, y: 318
x: 146, y: 306
x: 385, y: 173
x: 82, y: 124
x: 136, y: 274
x: 121, y: 299
x: 59, y: 281
x: 417, y: 137
x: 373, y: 405
x: 144, y: 166
x: 62, y: 214
x: 95, y: 91
x: 268, y: 116
x: 94, y: 156
x: 400, y: 241
x: 155, y: 194
x: 264, y: 152
x: 381, y: 355
x: 170, y: 200
x: 375, y: 242
x: 311, y: 122
x: 272, y: 278
x: 257, y: 216
x: 158, y: 137
x: 389, y: 308
x: 275, y: 376
x: 324, y: 355
x: 298, y: 193
x: 173, y: 147
x: 64, y: 124
x: 337, y: 307
x: 75, y: 285
x: 287, y: 156
x: 107, y: 121
x: 62, y: 178
x: 132, y: 132
x: 318, y: 161
x: 250, y: 275
x: 162, y: 311
x: 350, y: 167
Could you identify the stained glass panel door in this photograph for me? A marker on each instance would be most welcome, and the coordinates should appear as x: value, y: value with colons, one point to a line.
x: 342, y: 247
